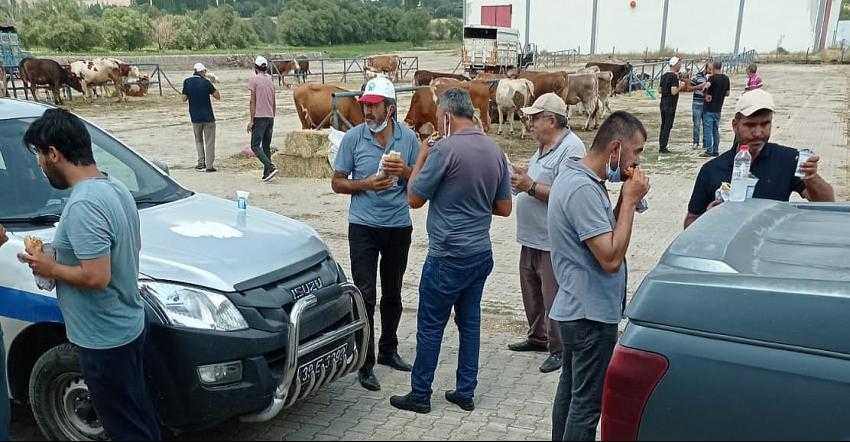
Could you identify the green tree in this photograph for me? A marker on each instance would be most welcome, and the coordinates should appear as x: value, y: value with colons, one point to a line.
x: 186, y: 32
x: 414, y: 26
x: 60, y: 25
x: 126, y: 28
x: 265, y: 28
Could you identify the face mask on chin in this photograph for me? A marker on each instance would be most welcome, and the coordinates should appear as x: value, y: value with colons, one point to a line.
x: 378, y: 128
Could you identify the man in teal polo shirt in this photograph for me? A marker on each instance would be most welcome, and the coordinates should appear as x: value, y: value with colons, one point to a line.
x: 373, y: 166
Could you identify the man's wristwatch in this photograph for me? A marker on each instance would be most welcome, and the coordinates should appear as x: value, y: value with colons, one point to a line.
x: 532, y: 191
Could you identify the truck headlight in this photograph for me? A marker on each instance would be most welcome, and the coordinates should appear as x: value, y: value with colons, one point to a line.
x: 194, y: 308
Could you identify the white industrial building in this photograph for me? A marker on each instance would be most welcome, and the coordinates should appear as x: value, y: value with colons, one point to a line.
x: 688, y: 26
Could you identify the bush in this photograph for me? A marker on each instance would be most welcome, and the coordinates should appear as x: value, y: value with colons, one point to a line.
x: 186, y: 30
x: 60, y: 25
x: 455, y: 26
x: 125, y: 28
x: 414, y: 26
x: 265, y: 28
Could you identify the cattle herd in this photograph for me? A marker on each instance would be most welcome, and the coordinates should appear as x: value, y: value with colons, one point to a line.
x: 84, y: 76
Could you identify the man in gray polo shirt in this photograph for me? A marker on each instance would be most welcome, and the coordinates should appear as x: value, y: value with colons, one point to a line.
x: 589, y: 242
x: 558, y: 144
x: 466, y: 179
x: 379, y: 217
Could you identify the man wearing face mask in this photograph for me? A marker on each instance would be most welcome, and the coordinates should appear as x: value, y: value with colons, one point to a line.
x: 96, y: 270
x: 774, y: 165
x: 558, y: 144
x: 379, y: 217
x: 590, y: 238
x: 466, y: 180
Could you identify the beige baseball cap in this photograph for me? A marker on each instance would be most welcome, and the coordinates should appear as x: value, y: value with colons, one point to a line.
x: 550, y: 102
x: 674, y: 61
x: 754, y: 101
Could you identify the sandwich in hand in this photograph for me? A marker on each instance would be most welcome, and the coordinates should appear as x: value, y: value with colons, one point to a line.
x: 34, y: 246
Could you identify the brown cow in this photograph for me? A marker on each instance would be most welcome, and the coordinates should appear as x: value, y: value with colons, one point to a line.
x: 313, y: 103
x: 424, y: 78
x: 479, y: 91
x: 422, y: 115
x: 546, y: 82
x: 584, y: 89
x: 388, y: 65
x: 3, y: 92
x: 284, y: 68
x: 45, y: 72
x: 619, y: 69
x: 137, y: 89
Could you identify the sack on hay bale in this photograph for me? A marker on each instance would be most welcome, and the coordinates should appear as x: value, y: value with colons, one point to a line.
x: 304, y: 154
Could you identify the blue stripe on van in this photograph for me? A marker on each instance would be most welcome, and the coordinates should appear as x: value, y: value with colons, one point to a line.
x: 29, y: 307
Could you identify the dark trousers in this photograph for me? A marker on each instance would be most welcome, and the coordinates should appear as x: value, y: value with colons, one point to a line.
x: 539, y: 287
x: 5, y: 404
x: 116, y: 381
x: 667, y: 118
x: 450, y: 283
x: 588, y: 347
x: 261, y: 142
x: 366, y: 244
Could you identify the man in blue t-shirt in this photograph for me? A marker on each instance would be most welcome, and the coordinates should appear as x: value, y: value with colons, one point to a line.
x: 96, y: 269
x: 197, y: 90
x: 373, y: 165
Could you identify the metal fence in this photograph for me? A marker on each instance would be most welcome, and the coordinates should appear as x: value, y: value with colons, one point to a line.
x: 556, y: 59
x: 338, y: 69
x: 647, y: 75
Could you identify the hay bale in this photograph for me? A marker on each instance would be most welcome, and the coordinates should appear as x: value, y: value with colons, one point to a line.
x: 304, y: 154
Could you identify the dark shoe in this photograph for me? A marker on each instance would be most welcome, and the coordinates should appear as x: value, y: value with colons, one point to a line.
x: 395, y: 362
x: 369, y: 381
x: 464, y: 404
x: 527, y: 346
x: 708, y: 155
x: 552, y: 363
x: 407, y: 403
x: 212, y: 169
x: 270, y: 174
x: 664, y: 150
x: 200, y: 167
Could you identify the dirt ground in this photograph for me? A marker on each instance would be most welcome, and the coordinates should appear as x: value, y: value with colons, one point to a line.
x: 158, y: 127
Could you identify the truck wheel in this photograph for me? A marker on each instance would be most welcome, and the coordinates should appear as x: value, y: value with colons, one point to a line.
x: 60, y: 399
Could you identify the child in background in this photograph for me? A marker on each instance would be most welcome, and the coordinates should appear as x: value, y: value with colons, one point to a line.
x: 753, y: 80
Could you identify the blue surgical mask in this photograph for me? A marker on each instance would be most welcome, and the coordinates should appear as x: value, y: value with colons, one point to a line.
x: 380, y: 128
x: 615, y: 176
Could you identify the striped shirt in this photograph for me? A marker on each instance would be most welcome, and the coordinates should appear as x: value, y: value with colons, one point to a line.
x: 698, y: 80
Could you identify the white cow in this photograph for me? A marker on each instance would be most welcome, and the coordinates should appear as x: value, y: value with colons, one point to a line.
x: 512, y: 95
x: 101, y: 71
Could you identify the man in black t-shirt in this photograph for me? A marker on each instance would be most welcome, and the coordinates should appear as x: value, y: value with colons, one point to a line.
x: 669, y: 87
x: 197, y: 90
x: 774, y: 165
x: 716, y: 91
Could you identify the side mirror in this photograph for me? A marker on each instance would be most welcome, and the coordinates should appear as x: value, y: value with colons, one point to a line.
x: 162, y: 166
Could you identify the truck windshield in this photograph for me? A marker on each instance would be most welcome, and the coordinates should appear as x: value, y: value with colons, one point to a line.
x: 27, y: 197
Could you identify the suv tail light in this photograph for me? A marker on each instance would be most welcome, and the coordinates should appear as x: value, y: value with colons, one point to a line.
x: 630, y: 380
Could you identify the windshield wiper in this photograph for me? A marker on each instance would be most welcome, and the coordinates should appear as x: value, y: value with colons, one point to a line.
x: 149, y: 201
x: 39, y: 220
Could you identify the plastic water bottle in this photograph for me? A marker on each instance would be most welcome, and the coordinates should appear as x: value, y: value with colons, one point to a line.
x: 743, y: 160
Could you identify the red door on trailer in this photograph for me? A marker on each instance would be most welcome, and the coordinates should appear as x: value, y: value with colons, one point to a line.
x: 497, y: 15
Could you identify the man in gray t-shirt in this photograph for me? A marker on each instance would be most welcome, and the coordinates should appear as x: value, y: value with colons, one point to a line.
x: 558, y: 144
x: 590, y: 238
x: 96, y: 270
x: 466, y: 179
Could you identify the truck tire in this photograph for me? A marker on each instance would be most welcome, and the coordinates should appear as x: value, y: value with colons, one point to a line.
x: 60, y: 399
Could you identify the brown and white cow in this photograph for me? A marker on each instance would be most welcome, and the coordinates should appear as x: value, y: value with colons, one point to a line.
x: 138, y: 88
x: 605, y: 91
x: 313, y: 102
x: 422, y: 114
x: 424, y: 78
x: 584, y: 89
x: 45, y: 72
x: 284, y: 68
x: 388, y: 65
x: 99, y: 71
x: 512, y: 95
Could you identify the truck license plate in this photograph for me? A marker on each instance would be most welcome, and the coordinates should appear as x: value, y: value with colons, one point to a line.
x: 326, y: 362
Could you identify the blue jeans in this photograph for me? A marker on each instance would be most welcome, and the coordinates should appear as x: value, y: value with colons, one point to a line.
x: 449, y: 282
x: 711, y: 129
x: 696, y: 109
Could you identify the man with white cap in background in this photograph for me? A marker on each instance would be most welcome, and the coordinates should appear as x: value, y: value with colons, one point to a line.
x: 557, y: 145
x: 774, y: 165
x: 670, y: 85
x: 197, y: 90
x: 263, y: 108
x: 373, y: 165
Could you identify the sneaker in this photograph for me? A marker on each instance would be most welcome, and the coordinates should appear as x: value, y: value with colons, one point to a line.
x: 212, y: 169
x: 408, y: 403
x: 664, y: 150
x: 708, y: 155
x: 552, y: 363
x: 696, y: 146
x: 269, y: 175
x: 200, y: 167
